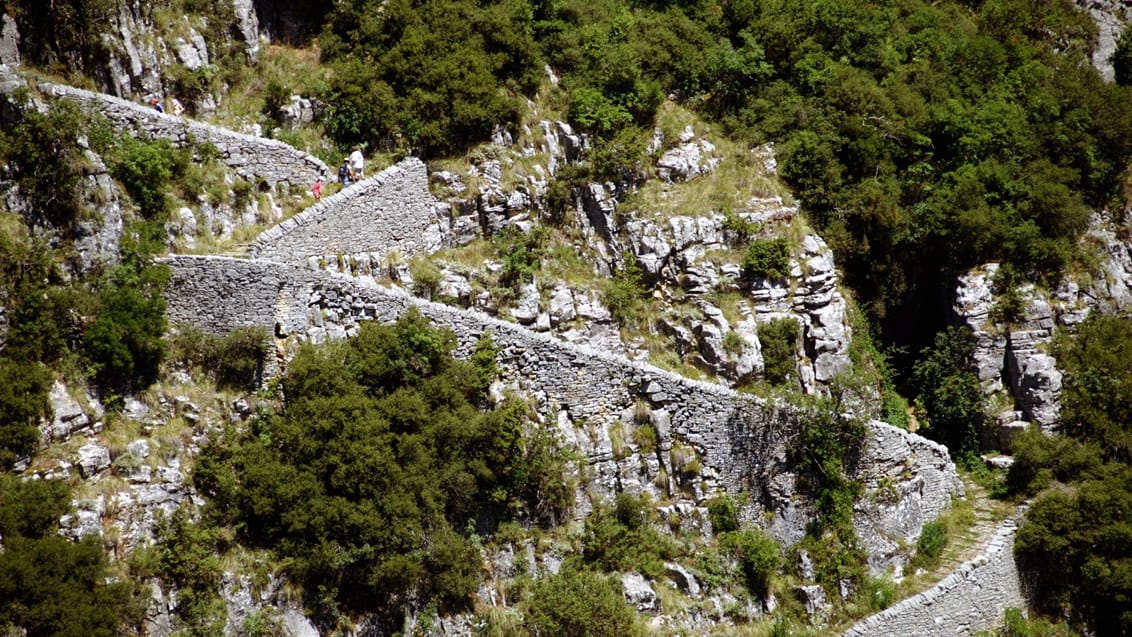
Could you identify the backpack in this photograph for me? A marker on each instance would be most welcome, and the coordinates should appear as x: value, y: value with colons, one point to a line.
x: 343, y: 172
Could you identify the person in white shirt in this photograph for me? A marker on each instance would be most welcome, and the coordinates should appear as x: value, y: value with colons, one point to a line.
x: 358, y: 163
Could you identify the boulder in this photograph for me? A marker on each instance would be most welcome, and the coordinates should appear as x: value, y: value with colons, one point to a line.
x: 689, y: 160
x: 68, y: 413
x: 814, y: 600
x: 9, y: 41
x: 526, y: 308
x: 562, y: 305
x: 93, y: 458
x: 639, y: 594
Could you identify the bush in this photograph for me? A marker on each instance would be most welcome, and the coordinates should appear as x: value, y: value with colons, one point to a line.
x: 723, y: 512
x: 1072, y: 551
x: 50, y: 585
x: 933, y: 539
x: 758, y: 555
x: 146, y: 169
x: 625, y: 293
x: 48, y: 163
x: 622, y: 538
x: 1122, y: 58
x: 235, y: 360
x: 386, y: 426
x: 461, y: 50
x: 950, y: 402
x: 125, y: 342
x: 521, y: 253
x: 23, y: 401
x: 572, y: 603
x: 185, y: 556
x: 779, y: 340
x: 767, y: 259
x: 1096, y: 400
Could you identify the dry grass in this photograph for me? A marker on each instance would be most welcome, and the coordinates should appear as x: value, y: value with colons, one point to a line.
x: 739, y: 178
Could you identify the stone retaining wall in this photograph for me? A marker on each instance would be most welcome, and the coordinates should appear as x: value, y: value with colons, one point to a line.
x: 738, y: 440
x: 392, y: 211
x: 972, y: 599
x: 252, y: 157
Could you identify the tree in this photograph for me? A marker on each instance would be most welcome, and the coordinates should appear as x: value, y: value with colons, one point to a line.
x: 950, y: 400
x: 1096, y: 399
x: 366, y: 481
x: 49, y: 585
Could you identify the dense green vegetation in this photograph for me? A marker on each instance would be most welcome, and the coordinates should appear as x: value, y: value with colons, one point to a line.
x: 574, y: 602
x: 50, y: 585
x: 233, y: 361
x: 950, y: 404
x: 1075, y: 546
x: 923, y: 138
x: 384, y: 461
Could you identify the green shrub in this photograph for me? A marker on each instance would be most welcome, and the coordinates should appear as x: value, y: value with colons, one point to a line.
x: 723, y: 512
x: 1097, y: 390
x: 462, y: 51
x: 572, y: 603
x: 625, y: 293
x: 767, y: 259
x: 146, y: 169
x: 933, y: 539
x: 521, y: 253
x: 426, y: 277
x: 623, y: 538
x: 733, y: 343
x: 50, y: 585
x: 759, y: 557
x: 385, y: 426
x: 234, y: 361
x: 125, y: 342
x: 646, y: 438
x: 47, y: 162
x: 950, y: 403
x: 1122, y: 58
x: 779, y: 340
x: 185, y: 556
x: 1015, y: 624
x: 23, y: 401
x: 738, y: 229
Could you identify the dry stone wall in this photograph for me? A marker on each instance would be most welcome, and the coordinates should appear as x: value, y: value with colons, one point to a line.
x: 392, y: 211
x: 739, y: 441
x: 252, y: 157
x: 970, y: 600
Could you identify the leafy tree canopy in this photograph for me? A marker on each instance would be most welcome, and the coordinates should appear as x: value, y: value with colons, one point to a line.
x: 384, y: 458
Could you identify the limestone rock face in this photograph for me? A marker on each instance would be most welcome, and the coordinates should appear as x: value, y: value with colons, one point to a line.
x: 1013, y: 360
x: 9, y: 41
x: 248, y: 24
x: 1111, y: 17
x: 689, y: 160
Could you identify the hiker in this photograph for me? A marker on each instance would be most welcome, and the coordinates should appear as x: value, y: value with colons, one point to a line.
x: 178, y: 108
x: 357, y: 163
x: 317, y: 189
x: 157, y: 105
x: 344, y: 173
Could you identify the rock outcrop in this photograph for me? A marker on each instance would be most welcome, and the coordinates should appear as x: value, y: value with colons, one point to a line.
x: 1013, y: 358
